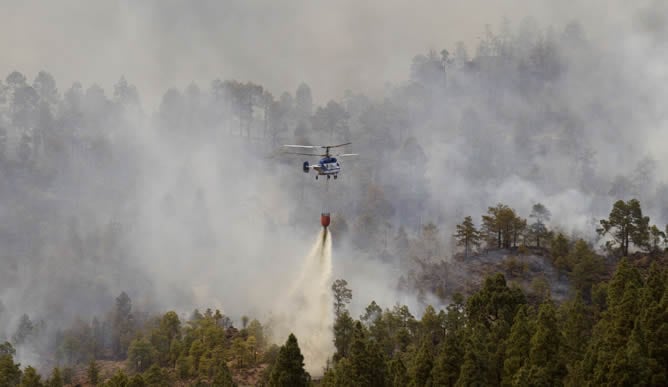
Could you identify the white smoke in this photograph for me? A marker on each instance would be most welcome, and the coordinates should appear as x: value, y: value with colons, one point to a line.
x: 306, y: 309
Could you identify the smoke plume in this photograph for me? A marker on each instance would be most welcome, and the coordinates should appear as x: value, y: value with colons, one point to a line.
x: 307, y: 307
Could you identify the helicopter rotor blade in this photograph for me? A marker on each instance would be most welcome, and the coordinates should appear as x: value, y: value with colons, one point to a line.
x: 303, y: 146
x: 346, y: 154
x: 316, y: 146
x: 303, y: 154
x: 336, y: 146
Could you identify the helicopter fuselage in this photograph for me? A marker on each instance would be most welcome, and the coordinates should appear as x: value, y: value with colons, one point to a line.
x: 327, y: 166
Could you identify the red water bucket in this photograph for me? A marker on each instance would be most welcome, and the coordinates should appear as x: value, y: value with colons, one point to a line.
x: 324, y: 219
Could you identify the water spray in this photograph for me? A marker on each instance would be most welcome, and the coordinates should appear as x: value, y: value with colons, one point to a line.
x: 307, y: 310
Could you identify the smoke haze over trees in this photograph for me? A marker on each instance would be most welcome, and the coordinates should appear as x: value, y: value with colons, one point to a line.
x: 166, y: 184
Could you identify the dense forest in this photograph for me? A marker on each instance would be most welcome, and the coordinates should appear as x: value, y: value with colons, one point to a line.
x: 610, y: 331
x: 505, y: 224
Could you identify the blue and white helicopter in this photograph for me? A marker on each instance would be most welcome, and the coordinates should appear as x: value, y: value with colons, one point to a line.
x: 328, y: 165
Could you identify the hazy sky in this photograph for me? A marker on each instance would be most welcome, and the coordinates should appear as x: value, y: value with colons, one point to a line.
x: 331, y: 45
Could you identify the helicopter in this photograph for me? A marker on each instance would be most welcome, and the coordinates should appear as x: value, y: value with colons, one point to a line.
x: 328, y: 165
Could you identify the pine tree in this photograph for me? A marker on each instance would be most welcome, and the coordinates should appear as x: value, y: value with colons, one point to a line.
x: 451, y: 352
x: 342, y: 296
x: 378, y: 328
x: 447, y: 365
x: 502, y: 224
x: 630, y: 365
x: 366, y: 359
x: 289, y: 370
x: 517, y: 347
x: 345, y: 374
x: 184, y: 366
x: 538, y: 228
x: 467, y: 235
x: 624, y: 275
x: 652, y: 322
x: 93, y: 373
x: 56, y: 380
x: 31, y: 378
x: 656, y: 237
x: 378, y: 366
x: 329, y: 377
x: 378, y: 374
x: 605, y: 359
x: 10, y: 373
x: 372, y: 313
x: 655, y: 284
x: 25, y: 329
x: 588, y: 268
x: 119, y: 379
x: 141, y: 355
x: 343, y: 334
x: 6, y: 348
x: 398, y: 375
x: 137, y: 381
x: 255, y: 329
x: 423, y: 363
x: 490, y: 314
x: 223, y: 376
x: 544, y: 363
x: 493, y: 224
x: 517, y: 227
x: 122, y: 325
x: 475, y: 370
x: 494, y: 302
x: 559, y: 251
x: 431, y: 326
x: 576, y: 327
x: 626, y: 224
x: 154, y: 376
